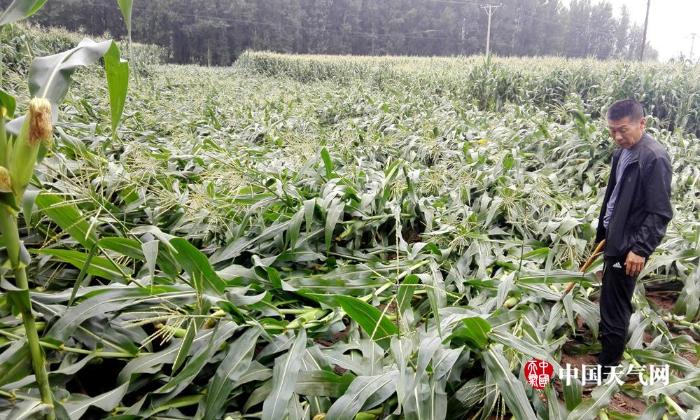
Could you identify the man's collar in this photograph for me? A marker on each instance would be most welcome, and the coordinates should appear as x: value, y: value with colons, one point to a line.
x: 645, y: 137
x: 634, y: 150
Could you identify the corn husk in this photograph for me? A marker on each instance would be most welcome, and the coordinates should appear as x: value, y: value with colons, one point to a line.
x: 37, y: 129
x: 5, y: 180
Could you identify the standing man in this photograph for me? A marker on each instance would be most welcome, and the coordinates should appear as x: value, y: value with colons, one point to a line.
x: 633, y: 220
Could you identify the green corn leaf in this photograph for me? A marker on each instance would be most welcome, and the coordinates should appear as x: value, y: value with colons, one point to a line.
x: 444, y: 360
x: 77, y: 407
x: 152, y: 362
x: 376, y: 325
x: 258, y: 396
x: 50, y: 76
x: 524, y: 347
x: 309, y: 207
x: 295, y: 228
x: 427, y: 348
x: 196, y: 264
x: 297, y: 410
x: 96, y: 266
x: 200, y: 357
x: 125, y: 7
x: 274, y: 276
x: 600, y: 398
x: 322, y: 383
x: 15, y: 363
x: 573, y: 393
x: 81, y: 276
x: 161, y: 406
x: 184, y: 350
x: 589, y: 312
x: 474, y: 331
x: 284, y: 376
x: 402, y: 349
x: 468, y: 395
x: 327, y: 162
x: 68, y: 217
x: 28, y: 201
x: 654, y: 411
x: 436, y: 405
x: 124, y: 246
x: 405, y: 293
x: 29, y: 409
x: 151, y: 255
x: 117, y: 71
x: 656, y: 358
x: 315, y: 361
x: 361, y: 390
x: 20, y: 9
x: 8, y: 102
x: 555, y: 408
x: 334, y: 213
x: 18, y: 299
x: 236, y: 362
x: 511, y: 388
x: 675, y: 385
x: 100, y: 303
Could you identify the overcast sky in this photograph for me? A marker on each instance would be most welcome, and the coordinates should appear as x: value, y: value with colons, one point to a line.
x: 670, y: 24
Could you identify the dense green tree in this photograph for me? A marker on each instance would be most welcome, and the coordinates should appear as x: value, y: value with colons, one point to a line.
x: 217, y: 31
x: 622, y: 32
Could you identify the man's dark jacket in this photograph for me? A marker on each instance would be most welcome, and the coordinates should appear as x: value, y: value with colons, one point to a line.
x: 643, y: 206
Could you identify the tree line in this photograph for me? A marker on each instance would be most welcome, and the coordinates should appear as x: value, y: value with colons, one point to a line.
x: 215, y: 32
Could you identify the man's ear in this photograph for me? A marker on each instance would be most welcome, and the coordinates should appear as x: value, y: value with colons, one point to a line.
x: 643, y: 123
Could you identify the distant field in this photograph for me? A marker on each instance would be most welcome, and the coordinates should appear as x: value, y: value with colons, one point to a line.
x: 382, y: 236
x: 670, y: 92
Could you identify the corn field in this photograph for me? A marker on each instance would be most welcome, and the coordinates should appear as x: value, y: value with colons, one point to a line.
x: 342, y: 238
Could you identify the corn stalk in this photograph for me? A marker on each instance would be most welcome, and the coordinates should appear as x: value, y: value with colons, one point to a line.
x: 20, y: 149
x: 18, y: 159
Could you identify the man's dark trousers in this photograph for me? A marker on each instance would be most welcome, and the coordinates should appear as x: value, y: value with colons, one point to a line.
x: 615, y: 310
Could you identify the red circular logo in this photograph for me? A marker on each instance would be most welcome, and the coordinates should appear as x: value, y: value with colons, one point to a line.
x: 538, y: 373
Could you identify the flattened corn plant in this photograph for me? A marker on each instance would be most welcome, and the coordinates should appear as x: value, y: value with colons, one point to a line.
x: 331, y: 247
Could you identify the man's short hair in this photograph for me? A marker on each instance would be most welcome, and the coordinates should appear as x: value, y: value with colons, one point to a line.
x: 625, y: 108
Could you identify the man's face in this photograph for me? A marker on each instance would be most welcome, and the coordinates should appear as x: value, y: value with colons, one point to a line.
x: 627, y: 131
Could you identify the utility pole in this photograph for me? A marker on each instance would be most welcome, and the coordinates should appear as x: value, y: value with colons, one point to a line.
x: 644, y: 35
x: 464, y: 31
x: 692, y: 44
x: 490, y: 9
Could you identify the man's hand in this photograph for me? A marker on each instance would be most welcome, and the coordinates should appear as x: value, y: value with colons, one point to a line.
x: 634, y: 264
